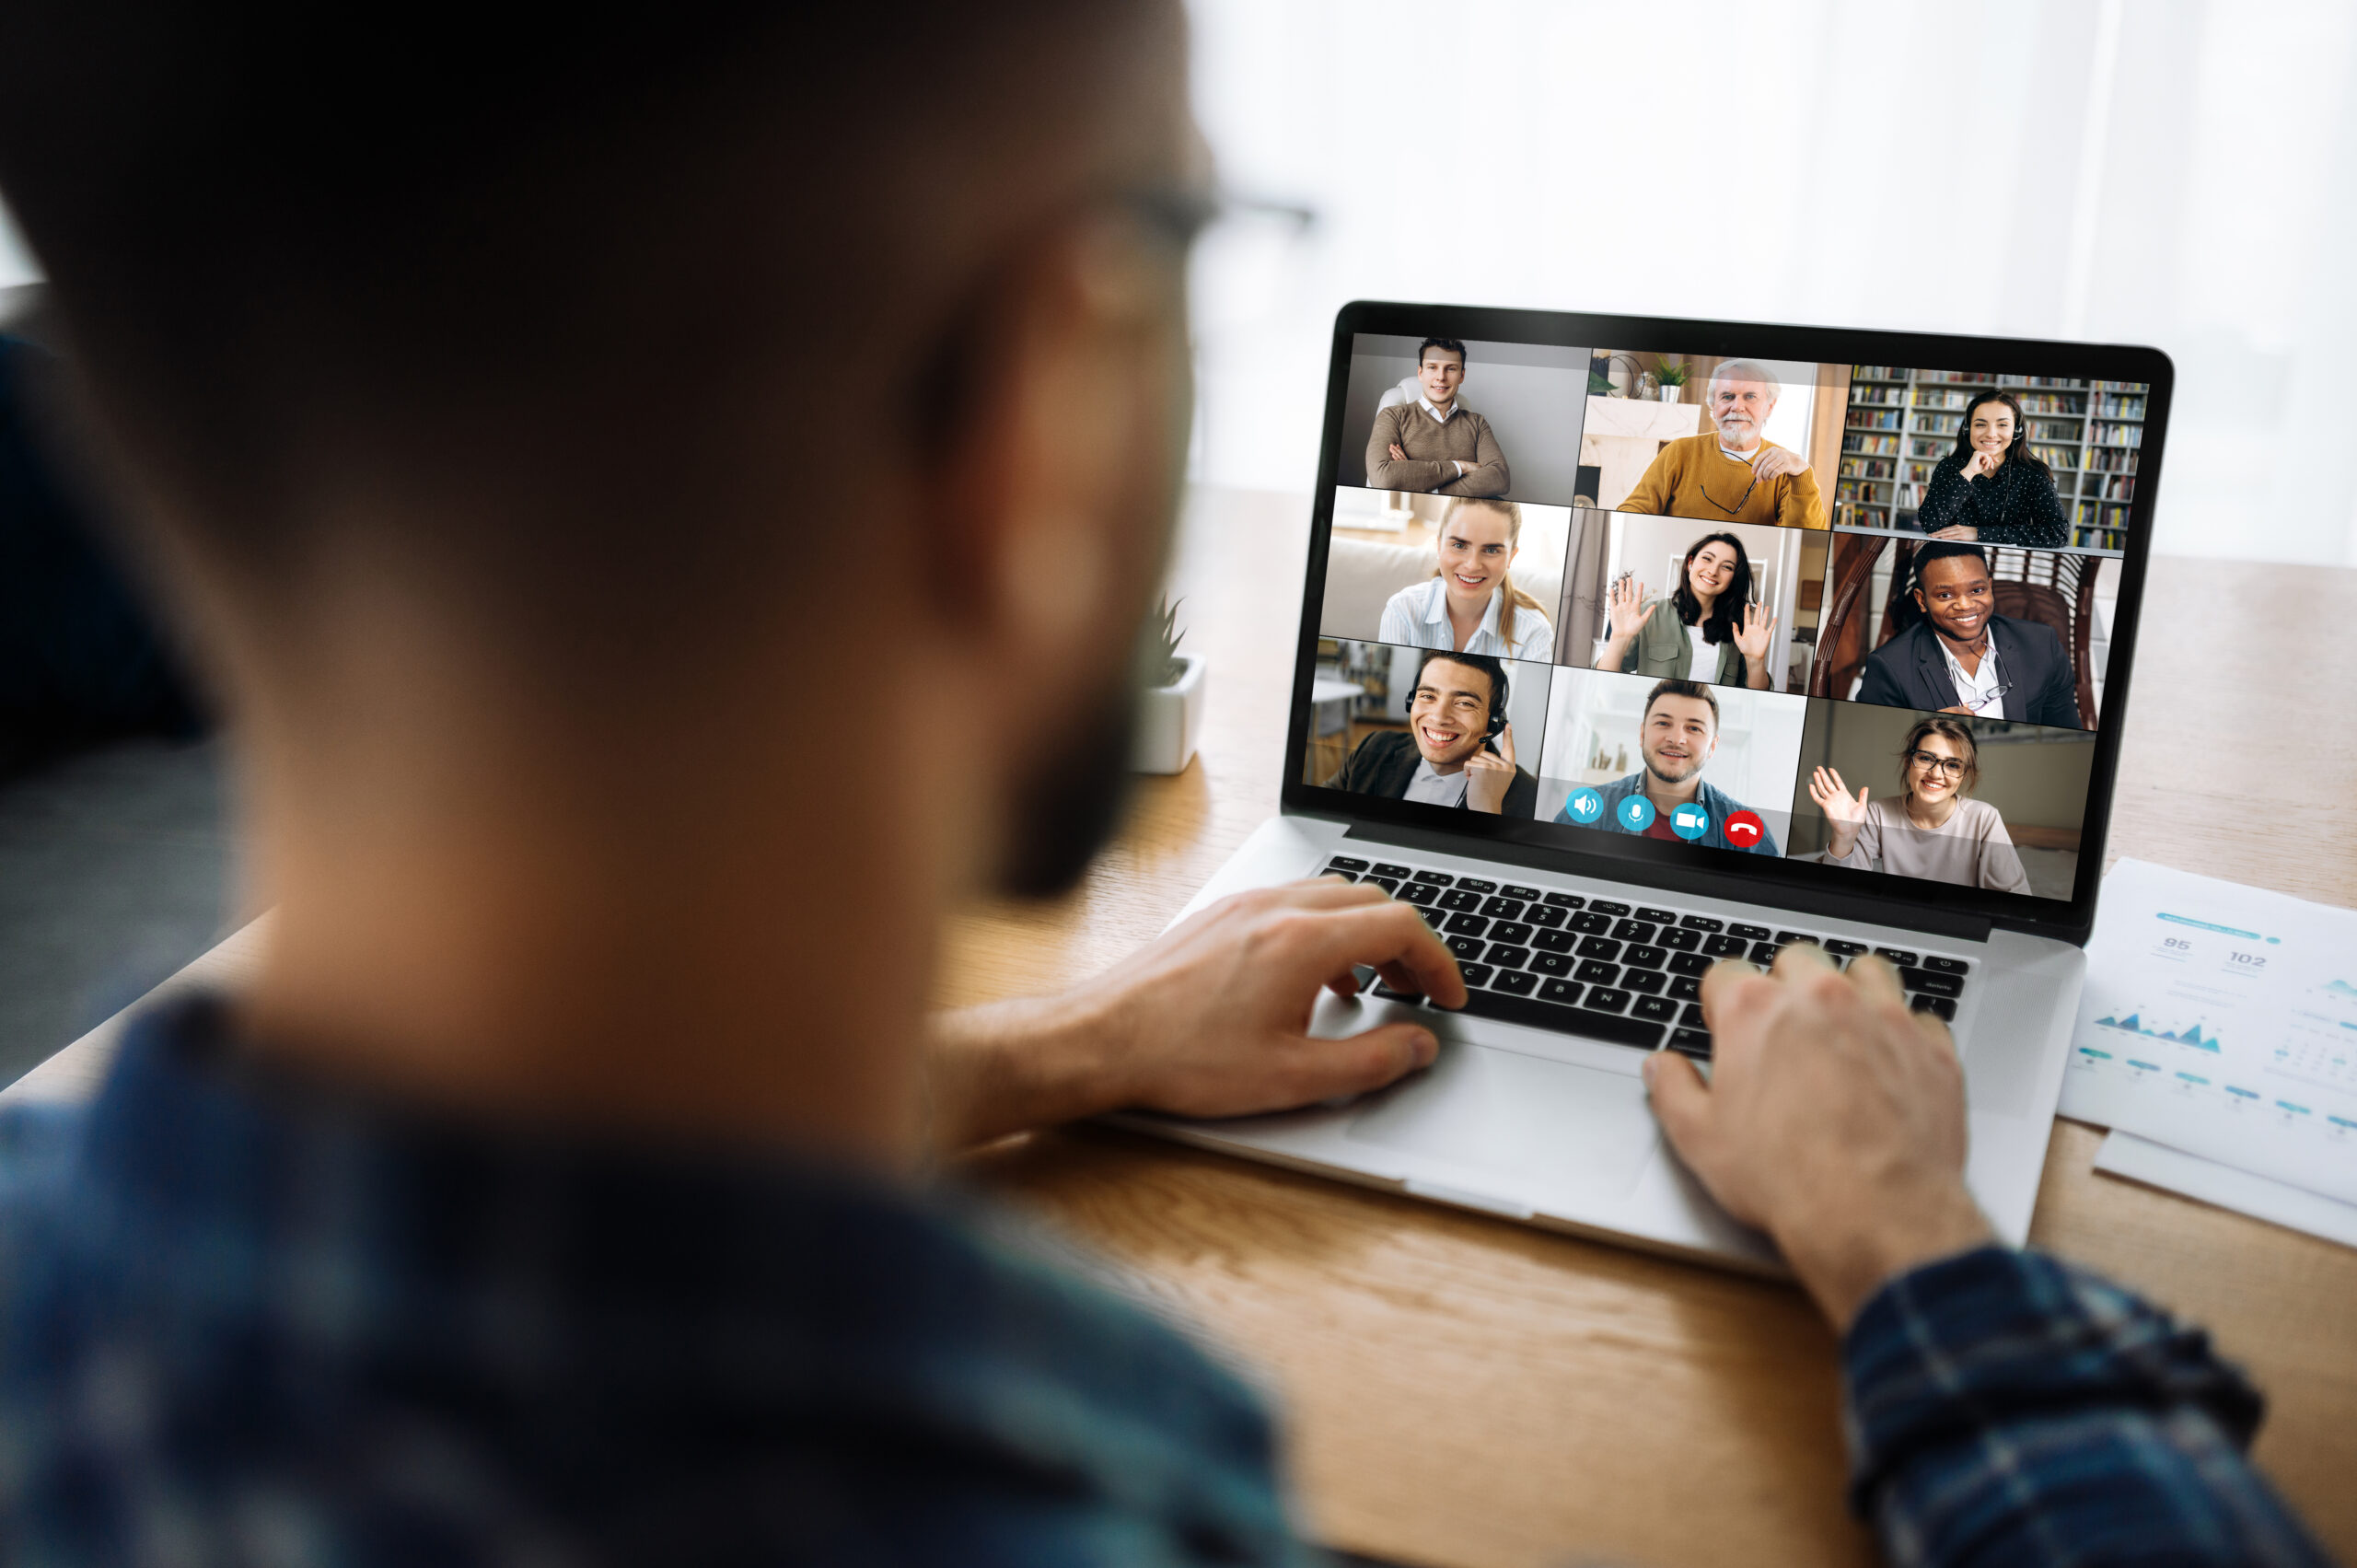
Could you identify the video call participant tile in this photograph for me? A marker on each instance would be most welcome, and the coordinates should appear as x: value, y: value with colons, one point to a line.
x: 1714, y: 439
x: 1474, y: 574
x: 1672, y: 759
x: 1670, y: 599
x: 1963, y: 629
x: 1443, y: 728
x: 1974, y: 803
x: 1437, y: 416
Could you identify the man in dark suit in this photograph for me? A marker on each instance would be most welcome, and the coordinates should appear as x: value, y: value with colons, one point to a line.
x: 1964, y: 657
x: 1446, y: 756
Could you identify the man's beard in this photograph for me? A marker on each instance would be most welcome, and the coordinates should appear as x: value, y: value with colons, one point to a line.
x: 1654, y: 768
x: 1068, y: 806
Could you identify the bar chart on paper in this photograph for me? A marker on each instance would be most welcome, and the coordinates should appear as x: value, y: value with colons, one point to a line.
x: 2222, y: 1020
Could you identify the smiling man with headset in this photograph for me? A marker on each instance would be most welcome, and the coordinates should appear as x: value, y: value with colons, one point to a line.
x: 1457, y: 748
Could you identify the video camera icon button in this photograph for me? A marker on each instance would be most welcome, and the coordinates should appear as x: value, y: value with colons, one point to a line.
x: 1690, y: 821
x: 1635, y: 813
x: 1584, y: 807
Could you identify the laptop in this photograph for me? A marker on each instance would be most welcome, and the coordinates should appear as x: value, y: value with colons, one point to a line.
x: 1628, y: 645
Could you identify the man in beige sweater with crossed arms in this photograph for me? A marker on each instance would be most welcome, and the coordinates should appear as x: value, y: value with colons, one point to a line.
x: 1435, y: 444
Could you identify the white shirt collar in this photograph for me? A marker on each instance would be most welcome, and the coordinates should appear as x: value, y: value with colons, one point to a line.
x: 1971, y: 688
x: 1454, y: 404
x: 1434, y: 612
x: 1427, y: 784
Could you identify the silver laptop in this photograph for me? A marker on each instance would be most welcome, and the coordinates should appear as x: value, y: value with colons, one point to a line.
x: 1629, y: 645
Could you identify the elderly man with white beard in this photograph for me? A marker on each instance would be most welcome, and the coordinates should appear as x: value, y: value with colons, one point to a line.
x: 1732, y: 473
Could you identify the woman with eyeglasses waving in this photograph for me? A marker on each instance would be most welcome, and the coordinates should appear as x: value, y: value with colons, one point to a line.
x: 1934, y: 829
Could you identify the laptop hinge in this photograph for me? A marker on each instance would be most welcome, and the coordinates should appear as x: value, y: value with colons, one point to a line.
x: 1677, y: 880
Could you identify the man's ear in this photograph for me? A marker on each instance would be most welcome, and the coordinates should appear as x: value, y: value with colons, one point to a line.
x: 1062, y: 452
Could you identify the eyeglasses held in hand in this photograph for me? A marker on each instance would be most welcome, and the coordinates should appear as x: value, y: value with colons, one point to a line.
x: 1995, y: 694
x: 1739, y: 500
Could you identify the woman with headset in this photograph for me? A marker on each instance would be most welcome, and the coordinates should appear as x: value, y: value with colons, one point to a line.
x: 1469, y: 604
x: 1992, y: 489
x: 1932, y: 828
x: 1707, y: 629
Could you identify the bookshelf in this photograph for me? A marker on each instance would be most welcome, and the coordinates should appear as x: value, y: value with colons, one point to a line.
x: 1901, y: 422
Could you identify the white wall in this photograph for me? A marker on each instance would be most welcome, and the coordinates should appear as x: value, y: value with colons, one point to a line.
x: 2178, y: 172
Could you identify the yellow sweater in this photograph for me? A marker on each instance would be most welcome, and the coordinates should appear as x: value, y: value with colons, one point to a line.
x: 1691, y: 478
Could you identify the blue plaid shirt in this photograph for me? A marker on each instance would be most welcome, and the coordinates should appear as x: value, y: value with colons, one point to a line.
x: 246, y: 1320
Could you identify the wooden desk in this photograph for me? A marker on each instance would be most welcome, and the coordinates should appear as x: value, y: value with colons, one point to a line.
x: 1464, y: 1390
x: 1461, y: 1390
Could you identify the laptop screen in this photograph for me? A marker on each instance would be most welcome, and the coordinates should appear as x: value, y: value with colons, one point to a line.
x: 1676, y: 597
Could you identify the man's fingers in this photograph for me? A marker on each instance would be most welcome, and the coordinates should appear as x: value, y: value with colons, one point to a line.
x: 1876, y: 979
x: 1361, y: 1061
x: 1329, y: 892
x: 1721, y: 981
x: 1385, y: 935
x: 1506, y: 744
x: 1935, y: 1030
x: 1399, y: 978
x: 1799, y: 961
x: 1681, y: 1101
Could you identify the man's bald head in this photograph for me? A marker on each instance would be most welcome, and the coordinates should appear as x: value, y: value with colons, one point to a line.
x: 288, y: 255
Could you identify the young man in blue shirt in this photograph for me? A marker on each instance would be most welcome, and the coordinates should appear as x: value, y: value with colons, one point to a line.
x: 1677, y: 734
x: 554, y: 1193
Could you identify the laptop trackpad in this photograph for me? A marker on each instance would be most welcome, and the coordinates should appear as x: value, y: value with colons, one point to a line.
x: 1551, y: 1122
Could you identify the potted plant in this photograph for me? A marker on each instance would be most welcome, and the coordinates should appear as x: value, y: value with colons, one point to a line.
x: 1170, y: 700
x: 1672, y: 376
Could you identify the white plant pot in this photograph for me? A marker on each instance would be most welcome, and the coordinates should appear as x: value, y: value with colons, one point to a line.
x: 1170, y: 720
x: 1669, y: 394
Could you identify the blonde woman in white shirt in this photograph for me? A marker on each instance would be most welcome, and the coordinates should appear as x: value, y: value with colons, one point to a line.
x: 1933, y: 829
x: 1469, y: 604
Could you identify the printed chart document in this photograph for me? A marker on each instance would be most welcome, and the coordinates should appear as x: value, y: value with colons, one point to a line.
x: 2140, y: 1159
x: 2222, y: 1020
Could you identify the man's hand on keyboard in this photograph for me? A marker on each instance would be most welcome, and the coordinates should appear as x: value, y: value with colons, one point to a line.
x: 1210, y: 1019
x: 1834, y: 1119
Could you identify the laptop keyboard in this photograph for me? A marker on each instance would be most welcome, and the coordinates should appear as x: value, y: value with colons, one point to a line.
x: 1604, y: 969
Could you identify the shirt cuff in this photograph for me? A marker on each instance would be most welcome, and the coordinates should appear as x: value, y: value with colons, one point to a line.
x: 1949, y: 1351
